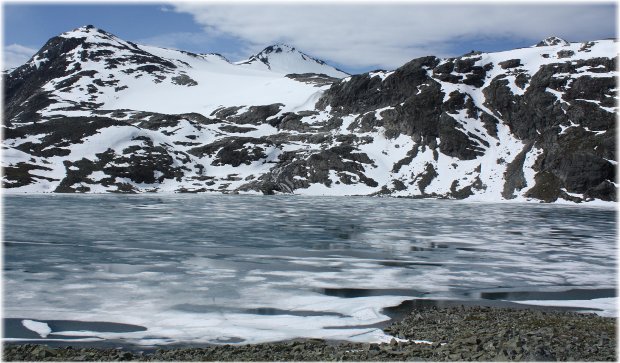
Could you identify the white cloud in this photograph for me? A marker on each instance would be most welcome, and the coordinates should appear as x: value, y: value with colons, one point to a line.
x: 15, y: 55
x: 389, y: 35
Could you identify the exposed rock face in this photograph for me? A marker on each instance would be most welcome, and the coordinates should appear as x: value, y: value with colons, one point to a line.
x: 533, y: 123
x: 552, y: 41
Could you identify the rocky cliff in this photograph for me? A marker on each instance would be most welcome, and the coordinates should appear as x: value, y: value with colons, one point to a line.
x: 93, y: 113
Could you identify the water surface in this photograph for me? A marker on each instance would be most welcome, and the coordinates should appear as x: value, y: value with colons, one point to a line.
x: 213, y: 269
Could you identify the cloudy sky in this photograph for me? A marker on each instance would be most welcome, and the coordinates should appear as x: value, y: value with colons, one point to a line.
x: 354, y: 36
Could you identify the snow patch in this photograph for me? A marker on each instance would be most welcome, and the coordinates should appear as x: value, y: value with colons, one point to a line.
x: 38, y: 327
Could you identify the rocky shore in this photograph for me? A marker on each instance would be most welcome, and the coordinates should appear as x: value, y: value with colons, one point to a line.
x: 454, y: 333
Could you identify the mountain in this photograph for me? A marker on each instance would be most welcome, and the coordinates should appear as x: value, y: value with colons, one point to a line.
x: 285, y: 59
x: 93, y: 113
x: 88, y: 69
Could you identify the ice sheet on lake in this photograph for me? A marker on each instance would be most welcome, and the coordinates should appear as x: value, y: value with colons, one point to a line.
x: 253, y: 269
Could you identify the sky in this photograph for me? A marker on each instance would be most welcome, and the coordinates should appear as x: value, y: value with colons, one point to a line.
x: 353, y: 36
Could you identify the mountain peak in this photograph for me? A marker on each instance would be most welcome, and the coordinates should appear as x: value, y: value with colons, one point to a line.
x: 92, y: 34
x: 82, y: 31
x: 278, y: 48
x: 287, y: 59
x: 553, y: 40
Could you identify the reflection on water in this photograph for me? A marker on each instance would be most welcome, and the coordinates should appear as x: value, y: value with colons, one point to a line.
x: 572, y: 294
x: 157, y: 260
x: 15, y: 325
x: 353, y: 293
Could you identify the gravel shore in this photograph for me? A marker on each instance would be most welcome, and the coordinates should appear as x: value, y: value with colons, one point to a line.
x: 457, y: 333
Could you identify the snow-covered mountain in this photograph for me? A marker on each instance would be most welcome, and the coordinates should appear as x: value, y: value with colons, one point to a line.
x: 89, y: 68
x: 93, y: 113
x: 285, y: 59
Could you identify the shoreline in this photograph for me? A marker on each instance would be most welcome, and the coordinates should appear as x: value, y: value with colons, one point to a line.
x: 16, y: 333
x: 455, y: 331
x: 597, y: 203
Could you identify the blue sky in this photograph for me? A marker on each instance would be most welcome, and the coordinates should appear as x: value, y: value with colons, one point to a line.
x: 355, y: 37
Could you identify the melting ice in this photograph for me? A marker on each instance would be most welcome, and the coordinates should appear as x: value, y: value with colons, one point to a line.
x: 248, y: 269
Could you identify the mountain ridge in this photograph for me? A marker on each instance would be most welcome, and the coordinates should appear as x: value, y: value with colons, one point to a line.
x: 534, y: 123
x: 93, y: 35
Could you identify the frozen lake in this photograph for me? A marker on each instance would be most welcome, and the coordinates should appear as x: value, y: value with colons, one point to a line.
x: 246, y: 269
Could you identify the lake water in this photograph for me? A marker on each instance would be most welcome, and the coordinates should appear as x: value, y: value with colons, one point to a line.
x: 167, y: 269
